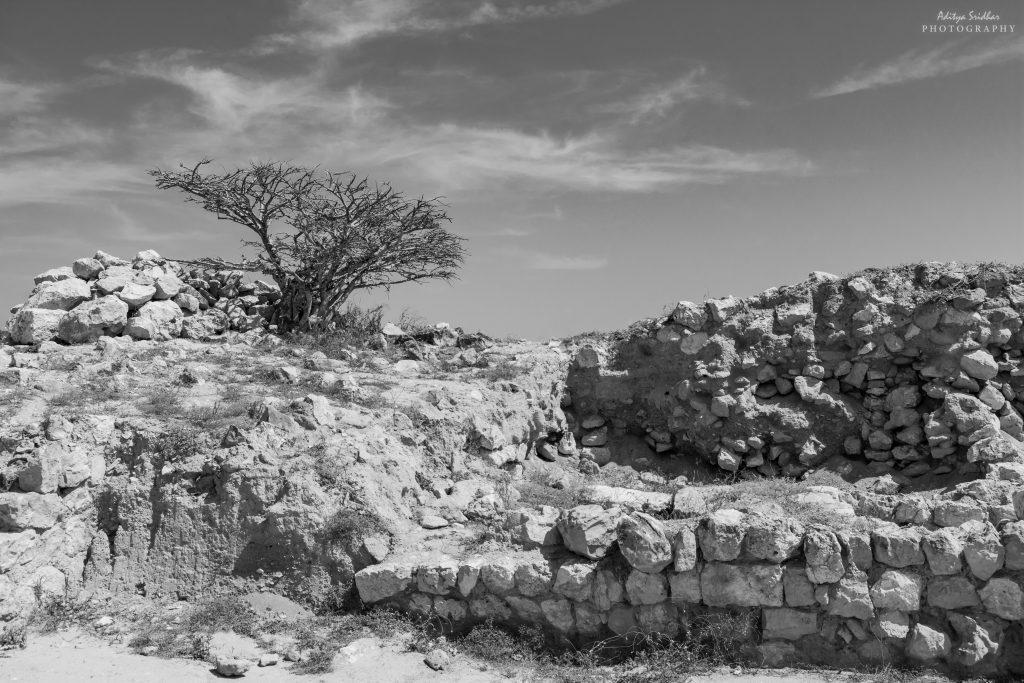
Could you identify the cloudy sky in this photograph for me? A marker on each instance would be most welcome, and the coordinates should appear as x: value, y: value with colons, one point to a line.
x: 603, y: 157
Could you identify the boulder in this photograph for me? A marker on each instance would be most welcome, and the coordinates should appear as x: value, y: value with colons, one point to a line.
x: 167, y: 286
x: 136, y: 295
x: 87, y: 322
x: 983, y: 549
x: 952, y: 592
x: 381, y: 581
x: 156, y: 320
x: 208, y: 324
x: 943, y: 549
x: 62, y: 295
x: 1000, y: 447
x: 1002, y: 597
x: 979, y: 638
x: 20, y: 511
x: 979, y: 365
x: 850, y: 597
x: 35, y: 325
x: 589, y: 530
x: 787, y: 624
x: 54, y: 275
x: 747, y: 585
x: 643, y: 588
x: 897, y: 546
x: 772, y: 539
x: 86, y: 268
x: 721, y: 535
x: 824, y: 556
x: 927, y: 644
x: 644, y: 543
x: 896, y: 590
x: 108, y: 260
x: 575, y: 580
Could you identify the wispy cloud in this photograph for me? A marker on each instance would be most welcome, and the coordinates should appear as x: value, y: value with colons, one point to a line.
x: 17, y: 98
x: 951, y: 58
x: 546, y: 260
x: 343, y: 23
x: 543, y: 261
x: 303, y: 115
x: 659, y: 100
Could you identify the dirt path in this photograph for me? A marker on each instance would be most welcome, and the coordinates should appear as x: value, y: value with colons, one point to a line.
x: 74, y: 656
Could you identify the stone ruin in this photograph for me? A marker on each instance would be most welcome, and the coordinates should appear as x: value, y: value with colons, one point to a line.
x: 907, y: 382
x: 147, y: 298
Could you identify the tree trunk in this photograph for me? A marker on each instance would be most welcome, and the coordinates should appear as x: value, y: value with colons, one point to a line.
x: 293, y: 310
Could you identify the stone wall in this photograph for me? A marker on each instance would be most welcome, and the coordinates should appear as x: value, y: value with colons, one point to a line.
x: 946, y: 592
x: 916, y: 369
x: 147, y: 298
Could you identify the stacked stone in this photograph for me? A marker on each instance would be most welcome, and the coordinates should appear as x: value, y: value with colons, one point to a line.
x: 917, y: 369
x: 947, y: 592
x: 147, y: 298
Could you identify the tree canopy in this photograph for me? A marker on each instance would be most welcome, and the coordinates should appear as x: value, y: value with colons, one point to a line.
x: 322, y: 235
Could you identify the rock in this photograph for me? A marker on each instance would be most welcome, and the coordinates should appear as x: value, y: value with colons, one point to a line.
x: 824, y: 556
x: 928, y: 644
x: 437, y: 659
x: 850, y: 597
x: 897, y: 547
x: 433, y: 522
x: 748, y: 585
x: 54, y: 275
x: 978, y: 638
x: 62, y: 295
x: 156, y: 320
x: 691, y: 315
x: 1003, y: 598
x: 952, y: 592
x: 146, y: 256
x: 729, y: 461
x: 643, y: 588
x: 546, y: 451
x: 204, y: 325
x: 721, y: 535
x: 87, y: 322
x: 35, y: 325
x: 894, y: 625
x: 167, y: 287
x: 19, y: 511
x: 575, y: 579
x: 896, y: 590
x: 979, y: 365
x: 596, y: 438
x: 491, y: 437
x: 228, y: 666
x: 644, y: 543
x: 943, y: 549
x: 381, y: 581
x: 406, y: 367
x: 684, y: 586
x: 108, y: 261
x: 135, y: 295
x: 103, y: 622
x: 983, y: 549
x: 589, y: 530
x: 787, y: 624
x: 631, y: 499
x: 1013, y: 542
x: 86, y: 268
x: 269, y: 659
x: 998, y: 448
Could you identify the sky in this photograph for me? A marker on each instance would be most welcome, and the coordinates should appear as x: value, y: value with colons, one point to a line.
x: 603, y: 158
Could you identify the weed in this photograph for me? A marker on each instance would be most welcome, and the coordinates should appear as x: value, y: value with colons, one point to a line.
x: 347, y: 526
x: 57, y: 612
x: 505, y: 370
x: 178, y: 442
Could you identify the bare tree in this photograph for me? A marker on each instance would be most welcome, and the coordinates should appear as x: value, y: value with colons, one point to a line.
x: 322, y: 235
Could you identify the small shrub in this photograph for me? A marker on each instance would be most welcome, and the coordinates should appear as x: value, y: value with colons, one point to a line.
x: 505, y: 370
x: 502, y: 645
x: 57, y: 612
x: 179, y: 442
x: 347, y: 526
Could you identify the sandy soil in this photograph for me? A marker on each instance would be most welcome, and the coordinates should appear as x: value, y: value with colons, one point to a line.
x: 76, y: 656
